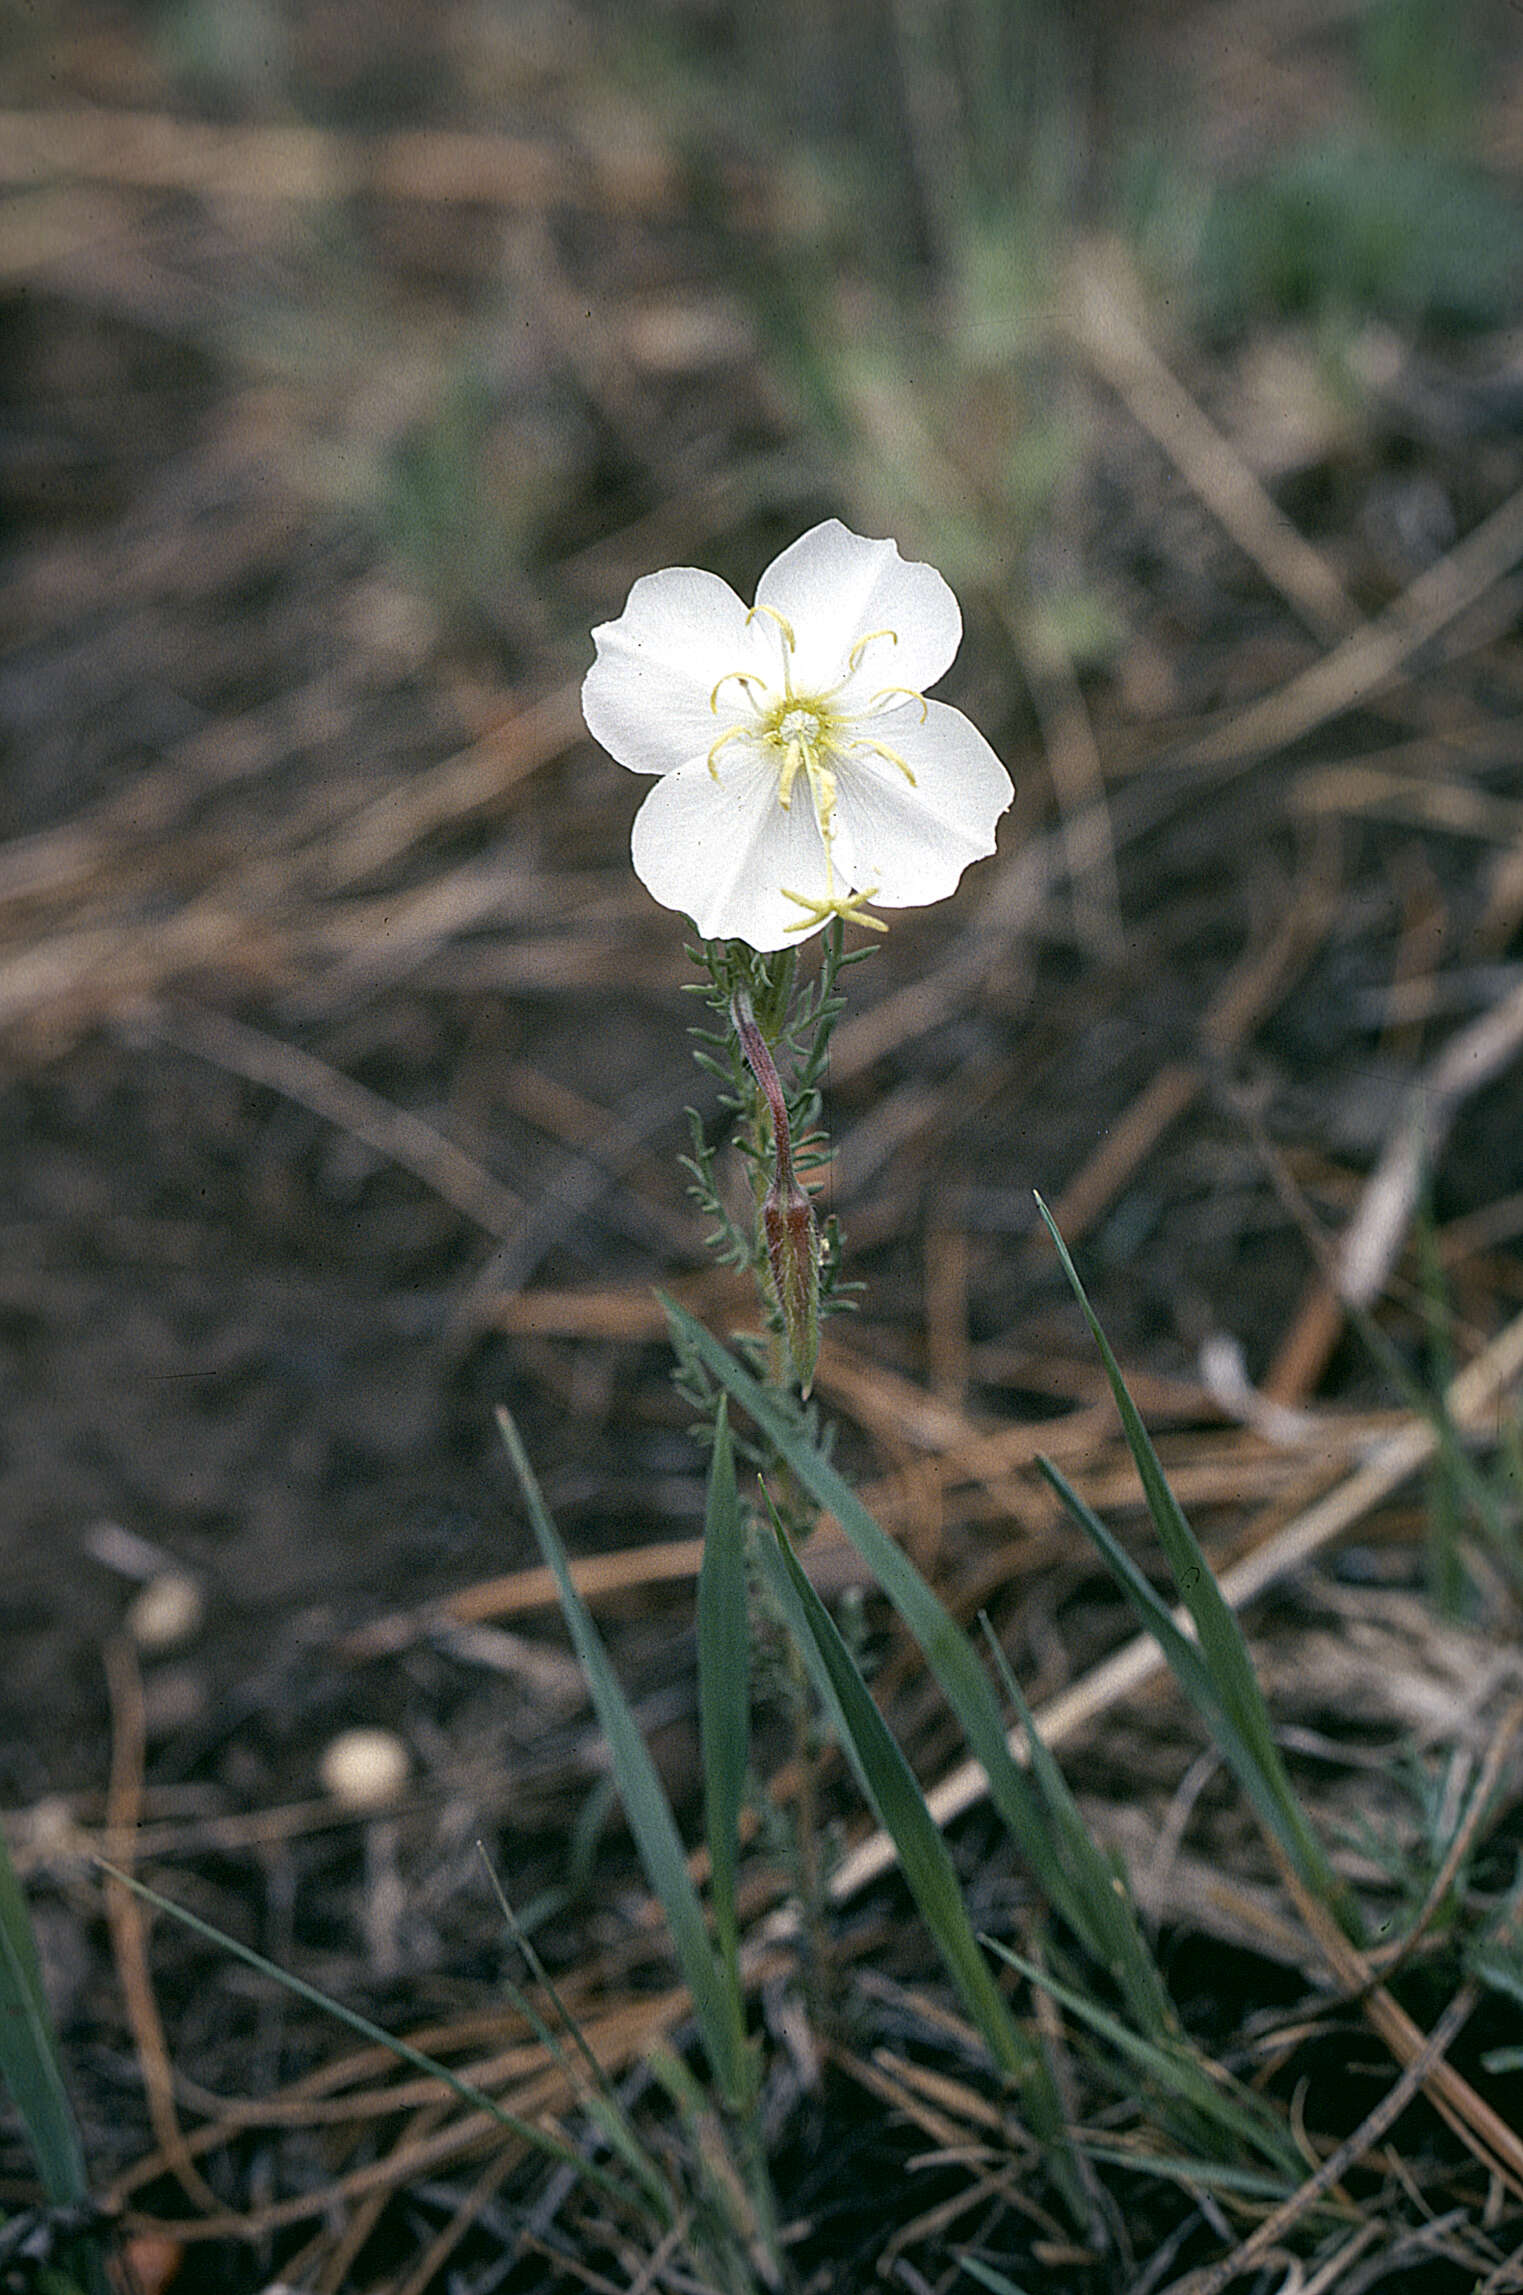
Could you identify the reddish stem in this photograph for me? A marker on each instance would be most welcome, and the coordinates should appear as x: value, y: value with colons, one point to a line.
x: 759, y: 1060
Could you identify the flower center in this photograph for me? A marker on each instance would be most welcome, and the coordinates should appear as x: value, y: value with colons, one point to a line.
x: 801, y: 732
x: 810, y: 734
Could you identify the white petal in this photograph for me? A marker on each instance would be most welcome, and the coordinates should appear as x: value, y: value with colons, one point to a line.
x: 722, y: 853
x: 647, y: 697
x: 835, y: 588
x: 914, y: 841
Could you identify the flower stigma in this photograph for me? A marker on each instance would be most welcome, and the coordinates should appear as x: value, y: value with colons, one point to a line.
x: 849, y: 907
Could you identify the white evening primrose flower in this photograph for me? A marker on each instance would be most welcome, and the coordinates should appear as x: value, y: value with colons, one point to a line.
x: 802, y: 770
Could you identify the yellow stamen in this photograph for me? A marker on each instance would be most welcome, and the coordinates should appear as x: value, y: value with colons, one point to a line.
x: 854, y: 658
x: 736, y: 677
x: 881, y: 749
x: 800, y: 758
x: 906, y: 693
x: 823, y: 782
x: 772, y: 614
x: 735, y: 733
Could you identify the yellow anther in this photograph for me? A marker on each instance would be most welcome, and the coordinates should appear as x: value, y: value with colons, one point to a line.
x: 772, y: 614
x: 736, y: 677
x: 854, y: 658
x: 847, y: 906
x: 905, y: 693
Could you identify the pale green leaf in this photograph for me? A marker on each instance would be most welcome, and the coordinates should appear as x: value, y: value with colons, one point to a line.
x: 891, y: 1786
x: 645, y: 1804
x: 1236, y: 1695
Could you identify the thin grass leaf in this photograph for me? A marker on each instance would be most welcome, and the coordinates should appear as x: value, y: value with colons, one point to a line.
x: 538, y: 2138
x: 1223, y: 1650
x: 645, y: 1804
x: 724, y: 1698
x: 1175, y: 2068
x: 1114, y: 1933
x: 30, y: 2063
x: 987, y: 2276
x: 1195, y: 2175
x: 1496, y: 1958
x: 1185, y: 1661
x: 742, y: 2242
x: 1188, y: 1667
x: 891, y: 1786
x: 1217, y: 1630
x: 585, y: 2076
x: 1499, y: 1521
x: 948, y: 1651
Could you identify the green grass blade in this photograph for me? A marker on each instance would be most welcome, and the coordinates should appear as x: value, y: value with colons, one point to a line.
x: 1451, y: 1456
x: 540, y: 2139
x: 737, y: 2237
x: 645, y: 1804
x: 29, y: 2060
x: 1277, y: 1809
x: 724, y: 1698
x: 1219, y: 1634
x: 891, y: 1786
x: 1185, y: 1661
x: 948, y: 1651
x: 1194, y: 2175
x: 1113, y: 1934
x: 1223, y: 1650
x: 1173, y: 2067
x: 585, y: 2075
x: 986, y: 2276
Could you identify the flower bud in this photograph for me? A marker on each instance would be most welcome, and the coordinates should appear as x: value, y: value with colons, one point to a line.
x: 793, y: 1260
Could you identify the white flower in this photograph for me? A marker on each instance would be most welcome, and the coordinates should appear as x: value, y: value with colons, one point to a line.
x: 802, y: 770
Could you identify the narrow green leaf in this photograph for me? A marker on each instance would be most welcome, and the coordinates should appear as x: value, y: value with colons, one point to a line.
x: 1194, y: 2175
x: 645, y: 1804
x: 987, y: 2276
x: 1220, y: 1636
x: 1182, y: 1652
x: 891, y: 1786
x: 29, y: 2060
x: 595, y: 2091
x: 1113, y: 1932
x: 538, y: 2138
x: 724, y: 1698
x: 1222, y: 1646
x: 1278, y: 1809
x: 1495, y: 1959
x: 740, y: 2241
x: 1174, y: 2067
x: 948, y: 1652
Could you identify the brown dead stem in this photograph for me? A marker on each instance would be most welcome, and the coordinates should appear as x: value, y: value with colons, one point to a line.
x: 128, y: 1922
